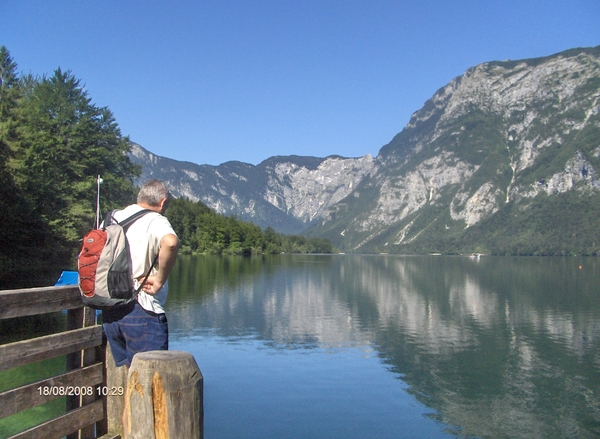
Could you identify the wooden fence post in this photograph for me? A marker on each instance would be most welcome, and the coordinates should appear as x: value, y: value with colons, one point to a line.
x: 114, y: 389
x: 163, y: 398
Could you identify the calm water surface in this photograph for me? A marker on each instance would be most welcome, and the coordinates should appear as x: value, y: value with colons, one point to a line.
x: 345, y: 346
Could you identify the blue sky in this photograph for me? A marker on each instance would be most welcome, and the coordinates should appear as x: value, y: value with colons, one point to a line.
x: 213, y: 81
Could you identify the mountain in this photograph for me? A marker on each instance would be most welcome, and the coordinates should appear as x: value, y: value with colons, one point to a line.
x: 503, y: 159
x: 286, y: 193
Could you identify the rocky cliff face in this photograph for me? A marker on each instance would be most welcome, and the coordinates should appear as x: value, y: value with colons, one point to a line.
x: 501, y: 137
x: 287, y: 193
x: 487, y: 164
x: 307, y: 193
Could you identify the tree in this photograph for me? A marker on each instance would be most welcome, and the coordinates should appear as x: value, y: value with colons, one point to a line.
x: 53, y: 144
x: 21, y: 231
x: 9, y: 99
x: 67, y: 142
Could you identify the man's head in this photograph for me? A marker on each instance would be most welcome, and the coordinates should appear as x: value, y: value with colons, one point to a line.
x: 155, y: 195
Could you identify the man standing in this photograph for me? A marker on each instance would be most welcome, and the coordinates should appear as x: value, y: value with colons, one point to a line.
x: 142, y: 326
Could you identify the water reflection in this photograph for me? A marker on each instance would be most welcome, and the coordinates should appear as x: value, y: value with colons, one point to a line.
x: 500, y: 347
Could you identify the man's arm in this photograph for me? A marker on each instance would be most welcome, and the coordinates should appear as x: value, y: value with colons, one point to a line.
x: 167, y: 256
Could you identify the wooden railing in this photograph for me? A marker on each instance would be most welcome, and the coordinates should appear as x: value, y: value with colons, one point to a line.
x: 85, y: 415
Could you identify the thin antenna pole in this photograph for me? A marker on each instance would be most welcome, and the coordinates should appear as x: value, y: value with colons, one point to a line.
x: 98, y: 204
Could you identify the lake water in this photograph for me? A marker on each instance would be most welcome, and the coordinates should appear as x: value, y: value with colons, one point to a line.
x: 347, y: 346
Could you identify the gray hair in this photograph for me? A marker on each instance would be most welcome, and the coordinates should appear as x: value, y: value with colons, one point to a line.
x: 152, y: 192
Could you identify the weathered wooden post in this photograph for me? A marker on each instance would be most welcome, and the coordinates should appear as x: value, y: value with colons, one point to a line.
x: 114, y: 392
x: 163, y: 398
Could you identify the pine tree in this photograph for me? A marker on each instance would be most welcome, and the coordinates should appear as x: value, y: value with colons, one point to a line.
x: 9, y: 97
x: 54, y: 142
x: 21, y: 232
x: 67, y: 143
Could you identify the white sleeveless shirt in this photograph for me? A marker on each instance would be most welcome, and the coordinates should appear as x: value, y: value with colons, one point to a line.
x: 144, y: 237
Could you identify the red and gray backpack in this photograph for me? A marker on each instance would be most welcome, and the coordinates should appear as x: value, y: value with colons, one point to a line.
x: 104, y: 265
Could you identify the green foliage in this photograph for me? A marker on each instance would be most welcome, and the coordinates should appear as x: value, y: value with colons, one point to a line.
x: 66, y: 142
x: 201, y: 230
x: 514, y: 146
x: 53, y: 144
x: 561, y: 225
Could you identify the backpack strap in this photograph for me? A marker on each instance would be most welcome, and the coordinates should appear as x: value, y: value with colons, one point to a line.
x: 110, y: 219
x: 137, y: 291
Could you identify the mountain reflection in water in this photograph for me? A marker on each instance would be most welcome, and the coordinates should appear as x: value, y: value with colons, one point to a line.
x: 492, y: 347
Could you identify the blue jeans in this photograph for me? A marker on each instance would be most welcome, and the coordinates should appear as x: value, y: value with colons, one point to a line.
x: 132, y: 330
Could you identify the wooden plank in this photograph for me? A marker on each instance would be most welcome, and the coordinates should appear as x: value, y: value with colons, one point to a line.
x: 116, y: 378
x: 49, y: 346
x: 33, y: 301
x: 102, y: 426
x: 81, y: 318
x: 74, y: 321
x: 34, y: 394
x: 89, y: 357
x: 67, y: 423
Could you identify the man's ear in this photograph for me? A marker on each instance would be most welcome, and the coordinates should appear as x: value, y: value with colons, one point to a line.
x: 164, y: 203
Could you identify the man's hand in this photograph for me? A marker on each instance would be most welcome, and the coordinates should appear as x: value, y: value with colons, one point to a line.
x: 152, y: 285
x: 166, y: 259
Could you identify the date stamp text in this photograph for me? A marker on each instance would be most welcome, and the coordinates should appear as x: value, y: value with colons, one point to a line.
x: 80, y: 390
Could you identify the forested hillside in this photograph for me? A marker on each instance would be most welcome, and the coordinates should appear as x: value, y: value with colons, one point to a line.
x: 504, y: 159
x: 54, y: 142
x: 201, y: 230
